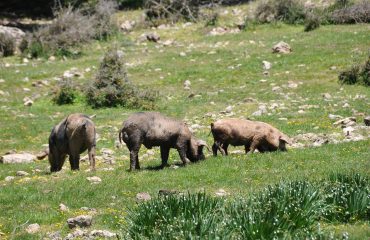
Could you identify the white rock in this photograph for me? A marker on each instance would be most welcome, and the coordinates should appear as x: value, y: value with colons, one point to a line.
x: 228, y: 109
x: 182, y: 54
x: 81, y: 221
x: 187, y: 84
x: 33, y: 228
x: 9, y: 178
x: 221, y: 192
x: 281, y: 47
x: 28, y: 103
x: 52, y: 58
x: 276, y: 89
x: 127, y: 26
x: 326, y: 96
x: 143, y: 196
x: 94, y: 180
x: 18, y: 158
x: 266, y: 65
x: 63, y: 207
x: 102, y: 234
x: 22, y: 173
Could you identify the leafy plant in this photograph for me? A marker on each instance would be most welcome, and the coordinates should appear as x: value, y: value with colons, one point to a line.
x: 312, y: 22
x: 65, y: 94
x: 348, y: 196
x: 357, y: 74
x: 112, y: 87
x: 288, y: 11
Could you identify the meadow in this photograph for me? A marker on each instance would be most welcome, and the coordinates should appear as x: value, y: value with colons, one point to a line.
x: 224, y: 71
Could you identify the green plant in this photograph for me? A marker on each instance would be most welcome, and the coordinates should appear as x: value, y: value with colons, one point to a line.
x: 102, y: 18
x: 348, y: 196
x: 287, y: 207
x: 312, y: 22
x: 190, y: 216
x: 357, y: 74
x: 345, y: 13
x: 112, y: 87
x: 288, y: 11
x: 6, y: 45
x: 65, y: 93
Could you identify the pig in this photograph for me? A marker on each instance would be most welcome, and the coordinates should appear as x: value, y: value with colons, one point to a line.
x: 72, y: 136
x: 250, y: 134
x: 154, y: 129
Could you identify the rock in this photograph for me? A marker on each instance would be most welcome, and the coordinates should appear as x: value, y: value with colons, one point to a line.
x: 152, y: 37
x: 228, y: 109
x: 78, y: 233
x: 266, y: 65
x: 94, y: 180
x: 80, y: 221
x: 166, y: 192
x: 348, y: 130
x: 346, y: 122
x: 221, y: 193
x: 28, y: 103
x: 187, y: 84
x: 334, y: 117
x: 367, y: 121
x: 182, y: 54
x: 63, y: 208
x: 218, y: 31
x: 346, y: 105
x: 127, y: 26
x: 25, y: 60
x: 18, y: 158
x: 107, y: 151
x: 52, y: 58
x: 292, y: 85
x: 9, y: 178
x: 22, y: 173
x: 143, y: 197
x: 16, y: 33
x: 33, y: 228
x: 281, y: 47
x: 102, y: 234
x: 333, y: 68
x: 55, y: 236
x: 276, y: 89
x: 326, y: 96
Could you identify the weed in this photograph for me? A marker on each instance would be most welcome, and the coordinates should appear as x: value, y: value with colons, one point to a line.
x: 357, y: 74
x: 312, y: 22
x: 65, y: 93
x: 288, y: 11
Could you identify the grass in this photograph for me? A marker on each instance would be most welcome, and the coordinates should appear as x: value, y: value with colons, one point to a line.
x: 162, y: 69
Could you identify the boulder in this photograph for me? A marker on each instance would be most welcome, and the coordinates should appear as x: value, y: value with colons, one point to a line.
x: 281, y: 47
x: 102, y: 234
x: 18, y: 158
x: 143, y: 196
x: 14, y: 32
x: 153, y: 37
x: 127, y: 26
x: 80, y: 221
x: 33, y: 228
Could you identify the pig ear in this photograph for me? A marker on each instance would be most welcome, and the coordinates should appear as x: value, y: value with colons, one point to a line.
x: 203, y: 143
x: 285, y: 139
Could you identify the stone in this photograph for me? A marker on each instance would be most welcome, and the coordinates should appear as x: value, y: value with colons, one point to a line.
x: 28, y: 103
x: 80, y: 221
x: 276, y: 89
x: 266, y: 65
x: 153, y: 37
x: 367, y: 121
x: 17, y: 158
x: 9, y: 178
x: 143, y: 197
x: 187, y: 84
x: 16, y: 33
x: 52, y: 58
x: 102, y: 234
x: 107, y: 151
x: 326, y: 96
x: 94, y: 180
x: 292, y: 85
x: 167, y: 192
x: 182, y: 54
x: 281, y: 47
x: 55, y: 236
x: 22, y: 173
x: 41, y: 155
x: 77, y: 234
x: 334, y: 117
x: 33, y: 228
x: 221, y: 193
x: 63, y: 208
x: 346, y: 122
x: 228, y: 109
x: 127, y: 26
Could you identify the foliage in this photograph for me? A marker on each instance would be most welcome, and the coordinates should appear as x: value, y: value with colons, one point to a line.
x: 6, y: 45
x: 288, y: 11
x: 65, y: 94
x: 356, y: 13
x: 102, y: 18
x: 171, y: 10
x: 312, y: 22
x: 348, y: 196
x: 191, y: 216
x: 112, y: 88
x: 357, y: 74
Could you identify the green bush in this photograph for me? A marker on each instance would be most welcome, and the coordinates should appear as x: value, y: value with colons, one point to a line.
x: 312, y: 22
x: 65, y: 94
x: 348, y: 196
x: 112, y: 88
x: 346, y: 13
x: 357, y: 74
x: 191, y: 216
x: 102, y: 18
x: 288, y: 11
x: 6, y: 45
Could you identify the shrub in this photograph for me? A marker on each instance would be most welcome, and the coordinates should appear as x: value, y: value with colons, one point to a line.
x: 312, y: 22
x: 357, y: 74
x: 65, y: 94
x: 348, y: 198
x: 6, y: 45
x: 357, y: 13
x: 287, y: 207
x: 171, y: 10
x: 102, y: 18
x: 288, y: 11
x: 112, y: 88
x: 191, y: 216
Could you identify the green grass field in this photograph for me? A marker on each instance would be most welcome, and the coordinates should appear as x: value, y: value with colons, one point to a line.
x: 222, y: 69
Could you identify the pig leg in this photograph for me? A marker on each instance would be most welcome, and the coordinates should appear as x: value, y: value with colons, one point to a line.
x: 214, y: 149
x: 254, y: 145
x: 182, y: 153
x: 134, y: 157
x: 247, y: 148
x: 165, y: 151
x: 91, y: 153
x: 224, y: 147
x: 74, y: 160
